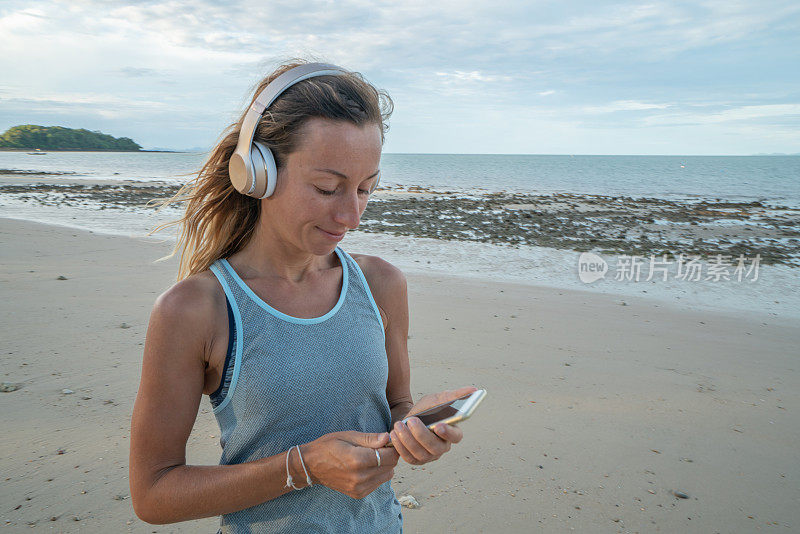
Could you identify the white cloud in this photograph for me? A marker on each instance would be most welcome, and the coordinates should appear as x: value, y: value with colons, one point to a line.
x: 735, y: 114
x: 56, y: 107
x: 623, y: 105
x: 87, y: 99
x: 472, y: 76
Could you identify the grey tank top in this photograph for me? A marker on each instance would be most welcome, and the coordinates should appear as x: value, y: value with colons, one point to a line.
x: 291, y: 380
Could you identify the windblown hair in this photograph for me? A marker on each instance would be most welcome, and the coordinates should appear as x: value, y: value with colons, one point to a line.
x: 219, y: 221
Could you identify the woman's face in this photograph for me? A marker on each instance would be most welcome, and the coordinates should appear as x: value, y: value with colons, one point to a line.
x: 324, y: 186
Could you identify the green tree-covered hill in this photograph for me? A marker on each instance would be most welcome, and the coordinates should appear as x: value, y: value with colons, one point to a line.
x: 31, y: 136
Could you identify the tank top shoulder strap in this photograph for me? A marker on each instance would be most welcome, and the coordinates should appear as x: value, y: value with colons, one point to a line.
x: 233, y: 284
x: 362, y: 288
x: 233, y: 358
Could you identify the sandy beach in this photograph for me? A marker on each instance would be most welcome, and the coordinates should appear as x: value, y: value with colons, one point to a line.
x: 600, y: 417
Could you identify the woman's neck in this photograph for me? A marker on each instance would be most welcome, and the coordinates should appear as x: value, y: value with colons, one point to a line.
x: 267, y: 255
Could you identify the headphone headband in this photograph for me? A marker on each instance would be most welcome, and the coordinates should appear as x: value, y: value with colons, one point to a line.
x: 246, y: 177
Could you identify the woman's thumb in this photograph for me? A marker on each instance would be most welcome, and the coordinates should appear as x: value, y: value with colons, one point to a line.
x: 374, y: 440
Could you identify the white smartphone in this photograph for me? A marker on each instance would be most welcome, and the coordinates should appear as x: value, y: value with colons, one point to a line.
x: 452, y: 412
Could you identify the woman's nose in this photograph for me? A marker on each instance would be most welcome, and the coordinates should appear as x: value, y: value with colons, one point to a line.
x: 348, y: 211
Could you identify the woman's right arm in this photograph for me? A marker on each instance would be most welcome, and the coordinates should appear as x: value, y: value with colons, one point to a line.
x: 166, y: 490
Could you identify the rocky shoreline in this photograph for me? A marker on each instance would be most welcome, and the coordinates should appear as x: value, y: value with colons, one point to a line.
x: 606, y: 224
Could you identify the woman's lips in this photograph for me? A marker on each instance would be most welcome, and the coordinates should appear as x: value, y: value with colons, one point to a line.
x: 331, y: 235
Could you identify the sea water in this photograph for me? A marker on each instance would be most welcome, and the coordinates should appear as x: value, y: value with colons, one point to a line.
x: 775, y: 179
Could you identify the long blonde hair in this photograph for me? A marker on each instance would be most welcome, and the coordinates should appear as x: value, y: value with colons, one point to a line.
x: 219, y: 221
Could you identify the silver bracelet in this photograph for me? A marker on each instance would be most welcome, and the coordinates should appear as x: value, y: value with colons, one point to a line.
x: 289, y: 481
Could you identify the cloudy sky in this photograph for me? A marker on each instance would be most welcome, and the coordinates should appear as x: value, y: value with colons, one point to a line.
x: 466, y: 76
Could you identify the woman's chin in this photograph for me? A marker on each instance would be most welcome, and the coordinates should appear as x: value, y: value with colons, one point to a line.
x: 323, y: 249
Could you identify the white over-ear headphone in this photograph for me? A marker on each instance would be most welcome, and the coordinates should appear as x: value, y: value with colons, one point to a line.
x: 252, y: 168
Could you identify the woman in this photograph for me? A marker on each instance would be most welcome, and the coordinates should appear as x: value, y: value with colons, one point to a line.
x: 300, y: 346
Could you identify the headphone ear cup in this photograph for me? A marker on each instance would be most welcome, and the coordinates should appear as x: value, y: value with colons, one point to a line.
x: 266, y: 172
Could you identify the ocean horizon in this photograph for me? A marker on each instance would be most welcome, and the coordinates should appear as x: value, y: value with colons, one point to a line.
x: 772, y: 178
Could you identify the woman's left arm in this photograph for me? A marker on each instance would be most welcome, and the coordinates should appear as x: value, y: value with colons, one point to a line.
x: 389, y: 289
x: 412, y: 440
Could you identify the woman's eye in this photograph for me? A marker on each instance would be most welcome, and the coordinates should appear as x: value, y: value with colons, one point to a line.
x: 324, y: 191
x: 363, y: 192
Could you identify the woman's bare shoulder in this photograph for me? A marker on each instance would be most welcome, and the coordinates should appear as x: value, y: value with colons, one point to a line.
x: 387, y: 284
x: 197, y: 299
x: 380, y: 274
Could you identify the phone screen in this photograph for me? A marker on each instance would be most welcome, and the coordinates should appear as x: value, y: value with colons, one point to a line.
x: 443, y: 411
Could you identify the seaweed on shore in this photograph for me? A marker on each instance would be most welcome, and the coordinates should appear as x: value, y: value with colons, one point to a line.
x: 613, y: 225
x: 606, y: 224
x: 19, y: 172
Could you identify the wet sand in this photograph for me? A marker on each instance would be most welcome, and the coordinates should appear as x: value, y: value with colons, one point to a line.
x: 600, y: 417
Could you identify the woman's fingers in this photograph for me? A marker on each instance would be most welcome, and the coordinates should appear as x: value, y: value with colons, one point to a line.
x: 460, y: 392
x: 416, y: 444
x: 450, y: 433
x: 404, y: 453
x: 434, y: 399
x: 453, y: 394
x: 388, y: 455
x: 336, y: 461
x: 372, y: 474
x: 364, y: 439
x: 430, y: 441
x: 368, y: 458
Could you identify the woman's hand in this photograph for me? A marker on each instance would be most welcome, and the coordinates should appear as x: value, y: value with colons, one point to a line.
x: 346, y: 462
x: 414, y: 442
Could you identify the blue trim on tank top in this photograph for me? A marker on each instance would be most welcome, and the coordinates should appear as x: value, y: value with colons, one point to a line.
x: 283, y: 316
x: 369, y: 292
x: 228, y: 351
x: 239, y: 336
